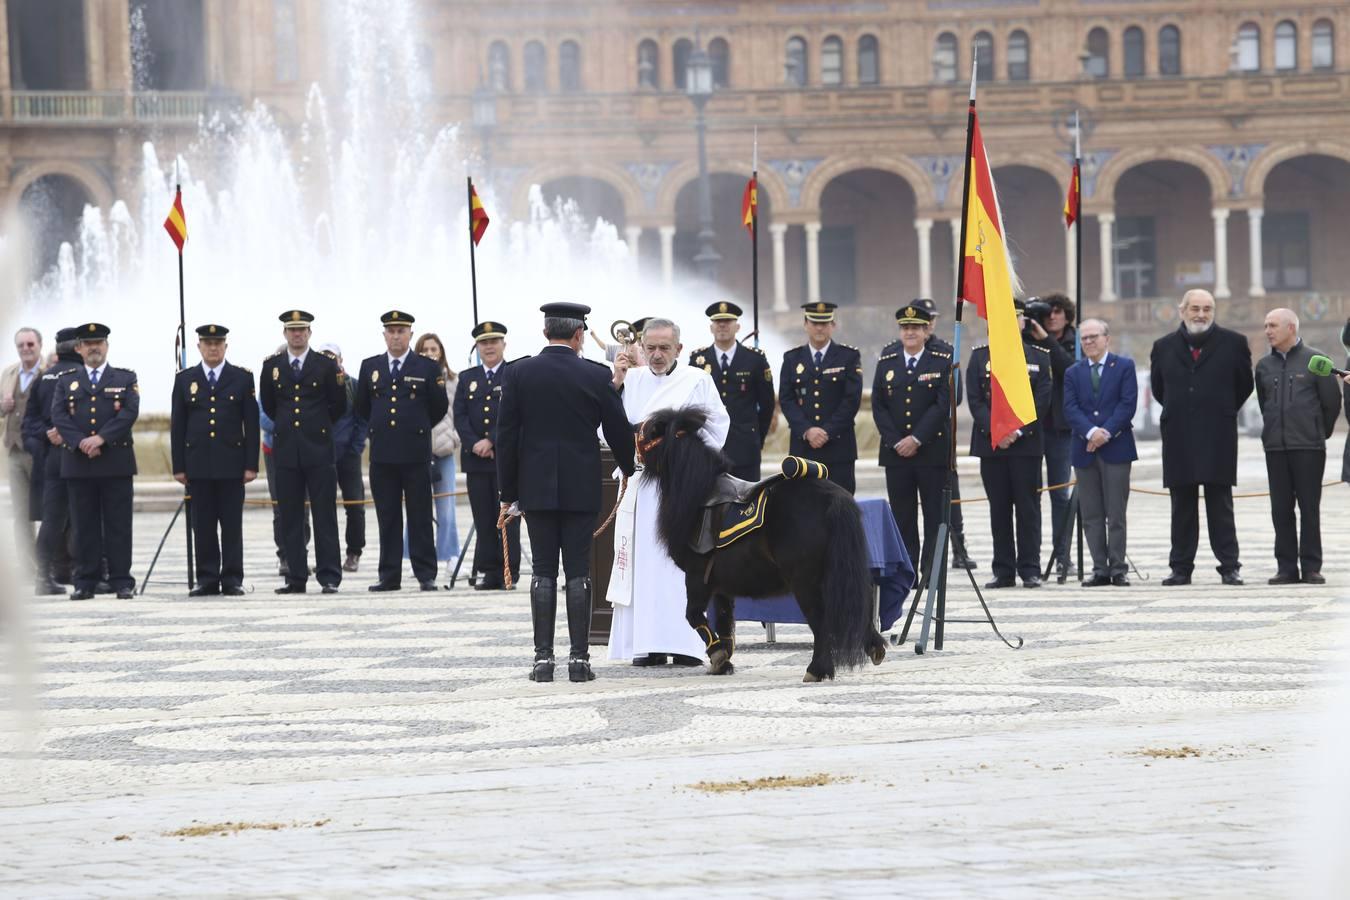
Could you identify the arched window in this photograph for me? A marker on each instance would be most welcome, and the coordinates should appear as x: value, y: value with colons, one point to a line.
x: 1323, y: 45
x: 648, y: 63
x: 1134, y: 52
x: 536, y: 67
x: 944, y: 58
x: 1169, y: 50
x: 680, y: 62
x: 287, y: 52
x: 1019, y: 56
x: 720, y: 54
x: 499, y: 67
x: 1249, y: 48
x: 1099, y: 53
x: 869, y: 63
x: 1286, y: 46
x: 832, y: 61
x: 794, y: 65
x: 984, y: 56
x: 569, y: 66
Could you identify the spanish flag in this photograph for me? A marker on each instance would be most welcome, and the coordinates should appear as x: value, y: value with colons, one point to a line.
x: 750, y: 206
x: 176, y: 223
x: 988, y: 282
x: 478, y: 217
x: 1071, y: 201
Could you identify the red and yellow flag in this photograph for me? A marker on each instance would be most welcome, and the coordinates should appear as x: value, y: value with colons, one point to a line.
x: 988, y: 282
x: 750, y: 205
x: 1071, y: 201
x: 176, y: 223
x: 478, y: 217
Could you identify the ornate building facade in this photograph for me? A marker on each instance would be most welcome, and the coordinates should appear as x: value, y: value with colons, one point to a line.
x: 1216, y: 133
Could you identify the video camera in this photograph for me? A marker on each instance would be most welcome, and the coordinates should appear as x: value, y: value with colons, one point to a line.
x: 1037, y: 310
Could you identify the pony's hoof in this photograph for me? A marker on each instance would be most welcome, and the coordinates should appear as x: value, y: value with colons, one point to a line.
x: 810, y: 678
x: 717, y: 660
x: 877, y: 653
x: 728, y: 669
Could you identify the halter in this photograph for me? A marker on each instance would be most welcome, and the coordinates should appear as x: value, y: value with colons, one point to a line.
x: 643, y: 446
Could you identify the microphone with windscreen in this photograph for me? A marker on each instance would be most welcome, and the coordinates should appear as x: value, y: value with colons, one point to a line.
x: 1321, y: 365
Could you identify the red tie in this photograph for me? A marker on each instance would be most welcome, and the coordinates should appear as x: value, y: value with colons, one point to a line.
x: 1195, y: 354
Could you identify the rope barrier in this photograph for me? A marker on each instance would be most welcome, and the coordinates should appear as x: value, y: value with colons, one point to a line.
x: 370, y: 502
x: 1133, y: 490
x: 503, y: 516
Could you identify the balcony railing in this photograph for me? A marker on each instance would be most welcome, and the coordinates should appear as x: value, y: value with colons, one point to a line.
x: 103, y: 107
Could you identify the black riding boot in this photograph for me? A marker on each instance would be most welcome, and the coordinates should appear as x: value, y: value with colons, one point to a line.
x: 579, y: 629
x: 544, y: 612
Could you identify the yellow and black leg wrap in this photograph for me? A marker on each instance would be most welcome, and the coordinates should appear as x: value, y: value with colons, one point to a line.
x: 706, y: 633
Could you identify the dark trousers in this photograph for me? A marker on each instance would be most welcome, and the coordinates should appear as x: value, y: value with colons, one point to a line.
x: 353, y: 501
x: 1058, y: 455
x: 277, y: 537
x: 841, y: 473
x: 218, y: 507
x: 394, y: 486
x: 1296, y: 476
x: 554, y: 531
x: 54, y: 537
x: 1186, y: 526
x: 1011, y: 483
x: 100, y: 509
x: 319, y: 483
x: 905, y: 483
x: 487, y: 552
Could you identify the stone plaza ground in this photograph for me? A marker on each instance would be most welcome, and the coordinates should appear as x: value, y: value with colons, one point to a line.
x: 1145, y: 742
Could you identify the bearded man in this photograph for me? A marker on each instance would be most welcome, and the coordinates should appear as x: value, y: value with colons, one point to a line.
x: 1201, y: 374
x: 647, y: 588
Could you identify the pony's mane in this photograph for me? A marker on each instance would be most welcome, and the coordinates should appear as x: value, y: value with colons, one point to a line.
x: 686, y: 469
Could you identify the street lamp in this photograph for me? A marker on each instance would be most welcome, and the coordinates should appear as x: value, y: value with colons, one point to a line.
x: 699, y: 87
x: 485, y: 119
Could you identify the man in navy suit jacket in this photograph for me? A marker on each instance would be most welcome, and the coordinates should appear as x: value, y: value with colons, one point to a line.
x: 1100, y: 396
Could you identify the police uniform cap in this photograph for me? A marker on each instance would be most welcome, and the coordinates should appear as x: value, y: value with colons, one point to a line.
x: 912, y: 315
x: 212, y: 332
x: 723, y: 309
x: 92, y: 331
x: 70, y: 333
x: 486, y: 331
x: 565, y: 310
x: 820, y: 311
x: 296, y: 318
x: 927, y: 305
x: 397, y: 317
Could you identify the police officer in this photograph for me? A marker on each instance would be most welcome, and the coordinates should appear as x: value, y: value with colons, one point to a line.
x: 548, y: 464
x: 960, y: 549
x: 402, y: 395
x: 911, y: 405
x: 745, y: 380
x: 1012, y: 471
x: 302, y: 393
x: 478, y: 396
x: 94, y: 412
x: 214, y: 445
x: 820, y: 392
x: 43, y: 441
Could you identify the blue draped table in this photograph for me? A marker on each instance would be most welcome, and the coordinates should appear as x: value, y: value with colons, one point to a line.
x: 892, y: 574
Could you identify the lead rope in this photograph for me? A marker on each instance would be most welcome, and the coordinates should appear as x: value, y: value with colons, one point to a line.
x: 503, y: 516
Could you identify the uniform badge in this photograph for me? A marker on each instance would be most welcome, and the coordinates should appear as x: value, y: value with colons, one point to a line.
x: 708, y: 369
x: 117, y: 406
x: 340, y: 379
x: 74, y: 385
x: 473, y: 386
x: 890, y: 374
x: 800, y: 368
x: 276, y: 374
x: 699, y: 360
x: 374, y: 375
x: 768, y: 376
x: 192, y: 389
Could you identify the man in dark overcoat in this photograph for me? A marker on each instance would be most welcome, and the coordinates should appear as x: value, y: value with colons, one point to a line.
x: 1201, y: 374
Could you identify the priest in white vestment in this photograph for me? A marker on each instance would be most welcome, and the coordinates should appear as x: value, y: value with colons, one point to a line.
x: 648, y: 595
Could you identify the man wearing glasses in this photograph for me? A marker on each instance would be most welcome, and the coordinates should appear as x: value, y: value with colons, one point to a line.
x: 16, y: 383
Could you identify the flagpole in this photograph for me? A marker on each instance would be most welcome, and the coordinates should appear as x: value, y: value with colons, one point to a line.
x: 1078, y: 230
x: 473, y: 263
x: 754, y: 239
x: 182, y: 364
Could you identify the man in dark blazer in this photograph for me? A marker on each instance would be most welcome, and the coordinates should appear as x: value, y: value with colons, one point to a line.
x: 402, y: 395
x: 1011, y: 473
x: 1201, y: 374
x: 548, y: 466
x: 302, y: 392
x: 214, y: 446
x: 820, y: 392
x: 911, y: 405
x: 745, y: 380
x: 1101, y: 393
x: 93, y: 411
x: 478, y: 395
x: 44, y: 443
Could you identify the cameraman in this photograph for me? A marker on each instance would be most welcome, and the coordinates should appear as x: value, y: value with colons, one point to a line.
x: 1049, y: 324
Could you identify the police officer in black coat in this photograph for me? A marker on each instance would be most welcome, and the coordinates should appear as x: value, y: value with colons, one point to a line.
x: 94, y: 410
x: 548, y: 464
x: 744, y: 378
x: 820, y: 392
x: 478, y: 395
x: 214, y: 445
x: 302, y: 392
x: 911, y: 405
x: 43, y: 442
x: 1012, y: 471
x: 402, y: 395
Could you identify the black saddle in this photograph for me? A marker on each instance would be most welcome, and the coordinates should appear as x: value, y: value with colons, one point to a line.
x: 736, y: 507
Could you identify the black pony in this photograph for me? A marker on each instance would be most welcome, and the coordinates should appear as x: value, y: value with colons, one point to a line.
x: 811, y: 543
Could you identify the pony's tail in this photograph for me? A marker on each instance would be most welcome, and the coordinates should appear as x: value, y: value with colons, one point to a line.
x: 847, y: 584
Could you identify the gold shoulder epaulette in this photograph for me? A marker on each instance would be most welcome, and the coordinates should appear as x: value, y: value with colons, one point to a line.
x: 939, y: 353
x: 330, y: 354
x: 886, y: 356
x: 1045, y: 350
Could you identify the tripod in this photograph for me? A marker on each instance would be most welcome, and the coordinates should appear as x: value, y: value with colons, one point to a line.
x: 1072, y: 516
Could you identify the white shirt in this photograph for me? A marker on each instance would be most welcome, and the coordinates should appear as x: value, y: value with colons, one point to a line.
x: 916, y: 357
x: 95, y: 374
x: 492, y: 372
x: 729, y: 354
x: 402, y: 360
x: 823, y: 351
x: 207, y: 370
x: 302, y: 357
x: 26, y: 377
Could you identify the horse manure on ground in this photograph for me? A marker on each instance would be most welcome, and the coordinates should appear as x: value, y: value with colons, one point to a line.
x: 771, y: 782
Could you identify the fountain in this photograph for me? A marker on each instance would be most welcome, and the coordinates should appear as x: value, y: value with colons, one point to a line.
x: 359, y: 209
